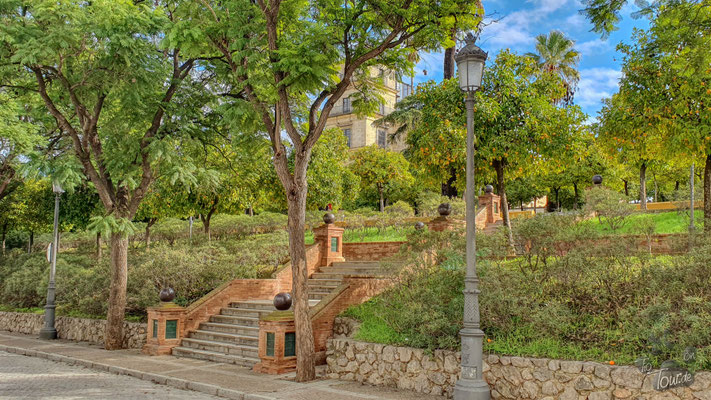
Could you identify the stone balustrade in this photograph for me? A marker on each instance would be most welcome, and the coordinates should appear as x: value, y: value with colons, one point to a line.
x: 79, y: 329
x: 509, y: 377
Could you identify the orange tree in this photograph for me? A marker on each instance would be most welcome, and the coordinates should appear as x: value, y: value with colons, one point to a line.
x: 380, y: 169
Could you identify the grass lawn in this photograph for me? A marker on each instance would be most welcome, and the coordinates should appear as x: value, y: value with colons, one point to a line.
x: 372, y: 234
x: 666, y: 222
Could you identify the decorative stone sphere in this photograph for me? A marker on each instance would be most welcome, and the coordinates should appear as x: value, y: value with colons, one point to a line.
x: 167, y: 294
x: 444, y: 209
x: 282, y: 301
x: 597, y: 179
x: 419, y: 225
x: 329, y: 218
x: 488, y: 189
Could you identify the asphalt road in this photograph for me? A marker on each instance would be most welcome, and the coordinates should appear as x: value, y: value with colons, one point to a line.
x: 24, y: 377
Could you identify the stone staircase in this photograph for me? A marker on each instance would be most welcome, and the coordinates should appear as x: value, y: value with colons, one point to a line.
x: 232, y: 336
x: 492, y: 228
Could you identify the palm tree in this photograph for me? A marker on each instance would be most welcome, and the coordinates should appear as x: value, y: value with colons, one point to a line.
x: 555, y: 53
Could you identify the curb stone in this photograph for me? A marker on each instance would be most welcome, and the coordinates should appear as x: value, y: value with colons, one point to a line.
x: 145, y: 376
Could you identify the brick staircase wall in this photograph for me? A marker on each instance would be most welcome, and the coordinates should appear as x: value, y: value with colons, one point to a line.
x: 371, y: 251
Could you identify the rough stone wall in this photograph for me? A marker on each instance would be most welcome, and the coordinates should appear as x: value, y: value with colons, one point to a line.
x: 508, y: 377
x: 372, y: 251
x: 344, y: 327
x: 79, y: 329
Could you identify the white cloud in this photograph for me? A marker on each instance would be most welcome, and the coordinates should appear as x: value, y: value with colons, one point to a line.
x: 596, y: 84
x: 593, y: 47
x: 516, y: 30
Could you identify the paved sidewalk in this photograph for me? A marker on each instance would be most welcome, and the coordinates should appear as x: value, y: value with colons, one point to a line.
x: 223, y: 380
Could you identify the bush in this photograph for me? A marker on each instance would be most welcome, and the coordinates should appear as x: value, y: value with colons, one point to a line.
x: 400, y: 210
x: 608, y: 205
x: 427, y: 203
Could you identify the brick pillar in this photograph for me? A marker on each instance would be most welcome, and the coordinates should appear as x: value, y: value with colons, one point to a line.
x: 276, y: 355
x: 493, y: 204
x: 330, y: 237
x: 166, y: 327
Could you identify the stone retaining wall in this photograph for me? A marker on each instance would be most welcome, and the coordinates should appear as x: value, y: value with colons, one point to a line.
x: 79, y: 329
x: 509, y: 377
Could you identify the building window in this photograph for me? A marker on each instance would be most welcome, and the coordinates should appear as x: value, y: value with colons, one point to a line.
x: 382, y: 109
x: 290, y: 344
x: 347, y: 105
x: 347, y: 132
x: 270, y: 344
x: 381, y: 137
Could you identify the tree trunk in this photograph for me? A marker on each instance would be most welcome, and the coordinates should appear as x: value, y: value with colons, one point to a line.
x: 147, y: 236
x: 499, y: 166
x: 627, y: 188
x: 296, y: 199
x: 643, y: 186
x: 30, y: 242
x: 113, y: 337
x: 448, y: 188
x: 449, y: 57
x: 577, y: 196
x: 676, y: 186
x: 99, y: 252
x: 656, y: 187
x: 4, y: 234
x: 707, y: 195
x: 206, y: 218
x: 382, y: 197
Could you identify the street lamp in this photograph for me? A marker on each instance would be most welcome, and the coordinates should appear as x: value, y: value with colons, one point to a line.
x: 471, y: 385
x: 49, y: 331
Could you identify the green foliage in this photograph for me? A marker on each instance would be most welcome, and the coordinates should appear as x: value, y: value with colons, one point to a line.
x: 400, y: 210
x: 599, y: 302
x: 428, y: 202
x: 381, y: 170
x: 330, y: 180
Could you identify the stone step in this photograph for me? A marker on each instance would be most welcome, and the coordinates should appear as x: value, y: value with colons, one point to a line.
x: 351, y: 271
x: 358, y: 264
x: 267, y: 305
x: 213, y: 356
x: 229, y: 338
x: 221, y: 347
x: 230, y: 328
x: 245, y: 313
x: 237, y: 319
x: 317, y: 296
x: 324, y: 282
x: 328, y: 275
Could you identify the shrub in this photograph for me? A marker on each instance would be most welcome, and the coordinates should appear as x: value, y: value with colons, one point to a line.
x: 399, y: 210
x: 608, y: 205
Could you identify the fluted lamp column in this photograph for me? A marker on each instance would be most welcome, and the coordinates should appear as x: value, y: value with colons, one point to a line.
x: 471, y: 385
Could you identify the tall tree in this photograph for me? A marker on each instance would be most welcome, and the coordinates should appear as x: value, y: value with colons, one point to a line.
x: 555, y: 53
x: 109, y: 73
x: 289, y: 62
x: 18, y: 137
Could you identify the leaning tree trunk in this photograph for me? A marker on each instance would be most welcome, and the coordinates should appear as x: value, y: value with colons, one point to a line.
x: 113, y: 337
x: 206, y: 218
x: 305, y: 360
x: 643, y: 186
x: 382, y: 197
x: 707, y: 195
x: 30, y: 242
x: 499, y: 166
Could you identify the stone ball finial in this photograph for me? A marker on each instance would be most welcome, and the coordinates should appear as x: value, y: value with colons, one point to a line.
x: 167, y: 295
x: 419, y: 225
x: 597, y: 180
x: 282, y: 301
x: 488, y: 189
x: 444, y: 209
x: 329, y: 218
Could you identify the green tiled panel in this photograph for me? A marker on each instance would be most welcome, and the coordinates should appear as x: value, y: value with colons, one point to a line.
x: 155, y: 328
x: 270, y: 344
x: 334, y: 245
x: 171, y: 329
x: 290, y: 344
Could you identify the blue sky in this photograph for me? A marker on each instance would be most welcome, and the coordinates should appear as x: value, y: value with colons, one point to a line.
x: 521, y: 21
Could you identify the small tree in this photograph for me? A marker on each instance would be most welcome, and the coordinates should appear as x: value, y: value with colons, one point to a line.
x: 380, y: 169
x: 608, y: 206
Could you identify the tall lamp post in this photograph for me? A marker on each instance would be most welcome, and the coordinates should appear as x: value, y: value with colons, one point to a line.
x: 49, y: 331
x: 471, y: 385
